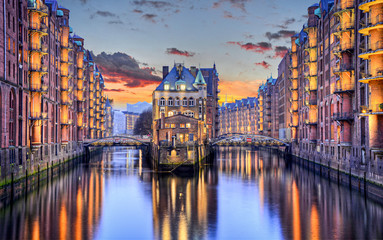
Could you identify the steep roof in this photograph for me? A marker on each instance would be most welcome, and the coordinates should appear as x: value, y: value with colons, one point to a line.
x: 199, y: 80
x: 174, y: 77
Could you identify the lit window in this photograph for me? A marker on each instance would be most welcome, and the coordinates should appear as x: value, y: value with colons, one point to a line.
x: 162, y: 102
x: 183, y: 87
x: 172, y: 125
x: 166, y: 125
x: 166, y: 87
x: 170, y: 114
x: 187, y: 125
x: 182, y: 125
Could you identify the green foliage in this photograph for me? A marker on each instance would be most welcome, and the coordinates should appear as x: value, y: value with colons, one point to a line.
x: 143, y: 124
x: 381, y: 106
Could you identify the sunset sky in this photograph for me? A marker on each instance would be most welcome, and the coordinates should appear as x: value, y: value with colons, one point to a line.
x: 133, y: 39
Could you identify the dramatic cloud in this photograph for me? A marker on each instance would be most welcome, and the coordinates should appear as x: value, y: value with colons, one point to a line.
x: 124, y: 69
x: 280, y: 51
x: 154, y: 4
x: 241, y: 4
x: 175, y: 51
x: 280, y: 34
x: 260, y: 47
x: 263, y: 64
x: 150, y: 17
x: 113, y: 90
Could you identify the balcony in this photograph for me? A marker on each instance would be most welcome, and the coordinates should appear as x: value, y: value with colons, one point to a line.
x: 38, y: 68
x: 40, y: 48
x: 66, y: 46
x: 343, y: 68
x: 343, y: 47
x: 38, y: 28
x: 38, y: 116
x: 66, y: 102
x: 344, y: 27
x: 344, y: 6
x: 38, y: 88
x: 344, y: 88
x: 373, y: 23
x: 371, y: 49
x: 311, y: 122
x: 345, y: 116
x: 42, y: 9
x: 376, y: 109
x: 367, y: 77
x: 67, y: 122
x: 365, y: 5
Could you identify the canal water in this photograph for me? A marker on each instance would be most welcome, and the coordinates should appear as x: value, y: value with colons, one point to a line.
x: 247, y: 194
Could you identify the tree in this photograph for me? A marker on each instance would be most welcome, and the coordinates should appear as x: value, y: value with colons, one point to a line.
x: 143, y: 124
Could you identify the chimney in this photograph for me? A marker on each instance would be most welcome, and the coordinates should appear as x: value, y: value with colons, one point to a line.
x: 193, y: 71
x: 165, y: 71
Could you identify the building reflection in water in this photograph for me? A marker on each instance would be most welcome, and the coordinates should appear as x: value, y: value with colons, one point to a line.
x: 184, y: 207
x: 307, y: 205
x: 69, y: 207
x: 276, y: 194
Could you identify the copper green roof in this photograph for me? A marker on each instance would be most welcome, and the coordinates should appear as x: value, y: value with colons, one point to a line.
x: 199, y: 80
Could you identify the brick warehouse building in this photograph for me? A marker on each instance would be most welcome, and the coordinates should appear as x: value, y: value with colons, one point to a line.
x: 51, y: 92
x: 333, y: 105
x: 327, y: 99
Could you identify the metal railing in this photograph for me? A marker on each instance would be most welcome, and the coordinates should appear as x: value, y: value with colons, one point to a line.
x: 342, y: 5
x: 344, y: 88
x: 38, y: 68
x: 344, y: 116
x: 38, y: 47
x: 40, y: 27
x: 343, y: 68
x: 372, y: 109
x: 38, y: 88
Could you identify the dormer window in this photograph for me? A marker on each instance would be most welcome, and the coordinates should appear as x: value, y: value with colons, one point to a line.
x: 183, y: 87
x: 166, y: 87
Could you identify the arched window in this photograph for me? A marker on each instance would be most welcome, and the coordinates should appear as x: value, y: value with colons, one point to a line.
x: 162, y: 102
x: 177, y: 102
x: 191, y: 101
x: 12, y: 118
x: 170, y: 101
x: 185, y: 102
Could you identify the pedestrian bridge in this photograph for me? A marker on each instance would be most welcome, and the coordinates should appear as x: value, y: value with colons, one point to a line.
x: 118, y: 141
x: 240, y: 139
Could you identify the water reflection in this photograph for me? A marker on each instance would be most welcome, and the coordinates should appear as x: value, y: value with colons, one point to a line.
x: 247, y: 194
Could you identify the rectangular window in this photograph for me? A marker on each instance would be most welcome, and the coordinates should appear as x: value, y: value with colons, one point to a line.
x: 187, y: 125
x: 182, y: 125
x: 172, y: 125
